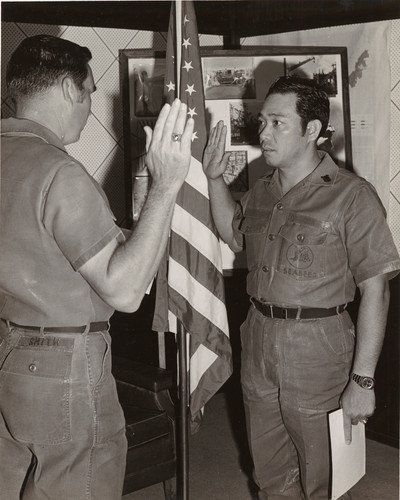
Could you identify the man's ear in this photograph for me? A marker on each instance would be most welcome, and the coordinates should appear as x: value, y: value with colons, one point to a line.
x: 313, y: 129
x: 68, y: 89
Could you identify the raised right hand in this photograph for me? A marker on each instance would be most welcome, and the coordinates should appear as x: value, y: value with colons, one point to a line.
x: 168, y: 161
x: 215, y: 160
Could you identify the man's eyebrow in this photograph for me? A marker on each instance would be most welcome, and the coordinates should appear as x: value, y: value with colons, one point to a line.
x: 280, y: 115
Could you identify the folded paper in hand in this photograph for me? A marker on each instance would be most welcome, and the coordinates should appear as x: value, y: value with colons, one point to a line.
x: 348, y: 460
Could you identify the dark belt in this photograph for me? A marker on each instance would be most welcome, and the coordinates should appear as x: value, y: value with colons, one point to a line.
x: 299, y: 313
x: 97, y: 326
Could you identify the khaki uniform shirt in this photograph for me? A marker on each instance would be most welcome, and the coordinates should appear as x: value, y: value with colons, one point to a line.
x: 54, y: 218
x: 314, y: 245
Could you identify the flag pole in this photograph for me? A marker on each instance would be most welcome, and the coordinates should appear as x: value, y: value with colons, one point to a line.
x: 190, y: 286
x: 183, y: 462
x: 178, y: 31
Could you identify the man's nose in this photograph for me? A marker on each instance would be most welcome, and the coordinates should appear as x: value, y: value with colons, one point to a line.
x: 264, y: 131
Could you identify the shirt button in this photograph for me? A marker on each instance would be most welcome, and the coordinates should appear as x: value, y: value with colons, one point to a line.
x: 32, y: 367
x: 265, y: 269
x: 300, y: 237
x: 271, y: 237
x: 263, y: 299
x: 279, y: 206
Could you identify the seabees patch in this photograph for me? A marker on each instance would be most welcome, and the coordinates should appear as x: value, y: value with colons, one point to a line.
x: 300, y: 263
x: 300, y: 257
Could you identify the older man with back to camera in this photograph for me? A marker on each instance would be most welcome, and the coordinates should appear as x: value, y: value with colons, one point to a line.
x: 313, y: 232
x: 64, y: 267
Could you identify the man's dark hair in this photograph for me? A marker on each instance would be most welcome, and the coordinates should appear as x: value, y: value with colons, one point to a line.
x: 39, y: 61
x: 312, y: 101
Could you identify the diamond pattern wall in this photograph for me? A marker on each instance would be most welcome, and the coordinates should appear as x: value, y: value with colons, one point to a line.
x: 101, y: 146
x: 394, y: 206
x: 107, y: 104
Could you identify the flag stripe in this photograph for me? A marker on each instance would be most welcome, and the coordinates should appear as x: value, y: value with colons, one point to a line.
x: 218, y: 343
x: 191, y: 286
x: 197, y: 265
x: 199, y: 236
x: 200, y: 361
x: 198, y: 207
x: 208, y: 385
x: 196, y: 177
x: 198, y: 296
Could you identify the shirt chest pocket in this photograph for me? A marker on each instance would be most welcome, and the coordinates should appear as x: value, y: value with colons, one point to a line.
x: 302, y: 255
x: 254, y: 230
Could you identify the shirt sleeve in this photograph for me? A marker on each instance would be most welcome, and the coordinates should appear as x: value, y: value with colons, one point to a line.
x: 236, y: 222
x: 370, y: 247
x: 77, y: 215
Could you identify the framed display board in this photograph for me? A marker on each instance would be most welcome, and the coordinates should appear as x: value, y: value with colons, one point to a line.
x: 235, y: 85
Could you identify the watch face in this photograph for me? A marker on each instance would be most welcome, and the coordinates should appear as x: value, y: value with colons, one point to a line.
x: 367, y: 383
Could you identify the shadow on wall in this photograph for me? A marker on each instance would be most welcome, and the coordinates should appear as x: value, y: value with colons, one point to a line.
x: 114, y: 182
x: 117, y: 183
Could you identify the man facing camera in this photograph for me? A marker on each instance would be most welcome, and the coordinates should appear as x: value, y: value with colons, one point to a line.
x: 313, y: 233
x: 65, y: 266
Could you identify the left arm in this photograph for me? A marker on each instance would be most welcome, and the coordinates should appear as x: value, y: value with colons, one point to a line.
x: 359, y: 403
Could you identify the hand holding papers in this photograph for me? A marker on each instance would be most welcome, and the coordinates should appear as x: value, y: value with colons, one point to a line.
x: 348, y: 460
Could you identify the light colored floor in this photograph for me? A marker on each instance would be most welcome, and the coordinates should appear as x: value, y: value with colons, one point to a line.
x: 218, y: 470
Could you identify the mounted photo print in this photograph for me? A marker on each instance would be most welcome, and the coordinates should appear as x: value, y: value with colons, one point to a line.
x: 244, y: 123
x: 321, y: 68
x: 229, y: 78
x: 236, y: 175
x: 148, y: 84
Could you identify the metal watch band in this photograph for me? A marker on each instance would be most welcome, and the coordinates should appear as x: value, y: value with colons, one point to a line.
x: 363, y: 381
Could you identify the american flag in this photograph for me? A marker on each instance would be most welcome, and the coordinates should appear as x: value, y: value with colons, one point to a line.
x: 190, y: 284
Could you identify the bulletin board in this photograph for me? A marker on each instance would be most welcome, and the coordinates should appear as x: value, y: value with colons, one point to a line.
x: 235, y: 85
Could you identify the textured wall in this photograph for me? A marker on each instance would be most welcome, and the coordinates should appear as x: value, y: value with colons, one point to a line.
x: 394, y: 203
x: 101, y: 146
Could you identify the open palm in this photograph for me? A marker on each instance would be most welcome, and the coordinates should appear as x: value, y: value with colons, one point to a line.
x: 215, y: 159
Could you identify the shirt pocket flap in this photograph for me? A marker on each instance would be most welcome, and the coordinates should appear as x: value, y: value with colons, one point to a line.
x: 253, y: 225
x: 301, y: 234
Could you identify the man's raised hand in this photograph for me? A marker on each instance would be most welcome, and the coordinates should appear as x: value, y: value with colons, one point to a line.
x: 167, y: 159
x: 215, y: 160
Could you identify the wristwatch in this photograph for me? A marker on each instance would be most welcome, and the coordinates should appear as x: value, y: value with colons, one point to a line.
x: 364, y: 382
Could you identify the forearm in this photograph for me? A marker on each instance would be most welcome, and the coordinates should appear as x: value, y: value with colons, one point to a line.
x: 121, y: 273
x: 371, y: 325
x: 134, y: 264
x: 223, y: 209
x: 358, y: 403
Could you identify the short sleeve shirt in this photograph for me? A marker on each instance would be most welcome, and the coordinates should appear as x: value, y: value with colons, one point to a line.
x: 55, y: 217
x: 314, y: 245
